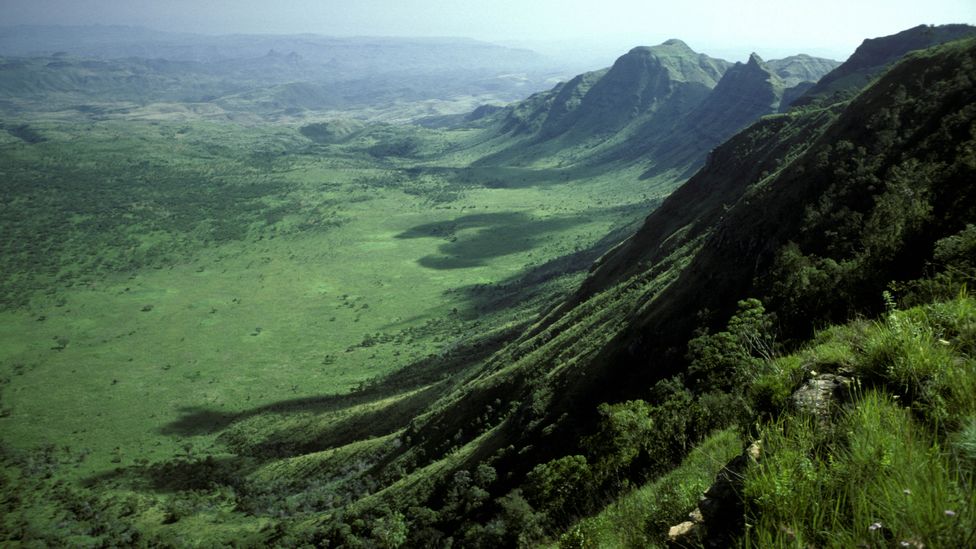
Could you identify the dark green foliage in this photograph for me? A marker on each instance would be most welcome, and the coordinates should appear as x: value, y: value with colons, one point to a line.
x: 336, y: 131
x: 625, y: 431
x: 559, y: 488
x: 636, y: 440
x: 953, y: 266
x: 404, y: 147
x: 522, y: 524
x: 37, y: 510
x: 25, y: 133
x: 727, y: 360
x: 149, y: 214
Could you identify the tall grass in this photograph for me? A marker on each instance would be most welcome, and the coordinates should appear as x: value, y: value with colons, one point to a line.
x: 897, y: 469
x: 880, y: 480
x: 641, y: 518
x: 926, y: 355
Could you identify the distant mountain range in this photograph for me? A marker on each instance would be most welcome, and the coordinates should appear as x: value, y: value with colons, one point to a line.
x: 663, y: 107
x: 268, y: 74
x: 381, y: 54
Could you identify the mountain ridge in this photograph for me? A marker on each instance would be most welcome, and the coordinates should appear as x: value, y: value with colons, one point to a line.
x: 660, y: 107
x: 705, y: 249
x: 873, y: 56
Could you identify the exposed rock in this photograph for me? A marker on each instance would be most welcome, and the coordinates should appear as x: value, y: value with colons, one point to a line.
x: 754, y: 450
x: 684, y: 534
x: 821, y: 395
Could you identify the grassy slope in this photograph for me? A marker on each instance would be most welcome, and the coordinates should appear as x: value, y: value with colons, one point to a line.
x: 899, y: 365
x: 896, y: 463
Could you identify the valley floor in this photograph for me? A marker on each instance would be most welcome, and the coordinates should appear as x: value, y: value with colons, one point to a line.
x: 188, y: 290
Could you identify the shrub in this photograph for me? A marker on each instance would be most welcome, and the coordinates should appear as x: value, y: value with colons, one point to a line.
x: 559, y: 487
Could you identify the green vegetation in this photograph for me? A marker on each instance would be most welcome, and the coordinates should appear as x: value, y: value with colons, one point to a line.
x: 641, y: 517
x: 331, y: 332
x: 893, y: 466
x: 197, y: 314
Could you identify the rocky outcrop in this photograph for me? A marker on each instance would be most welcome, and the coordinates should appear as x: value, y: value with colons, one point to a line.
x: 822, y: 395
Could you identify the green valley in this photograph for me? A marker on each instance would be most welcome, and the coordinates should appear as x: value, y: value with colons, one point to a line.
x: 297, y: 299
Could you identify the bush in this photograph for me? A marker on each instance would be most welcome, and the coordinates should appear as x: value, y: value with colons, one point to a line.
x: 560, y: 487
x: 727, y: 360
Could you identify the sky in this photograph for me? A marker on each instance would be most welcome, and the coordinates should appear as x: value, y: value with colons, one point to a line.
x: 731, y: 29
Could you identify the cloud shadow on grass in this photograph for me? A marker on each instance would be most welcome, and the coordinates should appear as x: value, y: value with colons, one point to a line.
x: 473, y: 240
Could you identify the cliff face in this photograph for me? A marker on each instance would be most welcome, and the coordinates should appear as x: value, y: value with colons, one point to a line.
x: 611, y: 115
x: 746, y: 92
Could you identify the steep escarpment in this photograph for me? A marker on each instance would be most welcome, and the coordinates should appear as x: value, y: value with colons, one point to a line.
x: 875, y: 55
x: 745, y: 93
x: 814, y: 213
x: 599, y: 118
x: 664, y: 79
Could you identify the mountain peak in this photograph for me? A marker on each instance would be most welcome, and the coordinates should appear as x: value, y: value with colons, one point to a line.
x: 674, y: 42
x: 668, y: 47
x: 755, y: 60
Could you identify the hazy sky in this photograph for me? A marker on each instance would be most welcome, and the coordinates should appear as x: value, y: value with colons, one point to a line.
x: 770, y: 26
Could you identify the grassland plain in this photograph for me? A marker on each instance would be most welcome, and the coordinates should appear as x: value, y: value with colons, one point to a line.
x: 164, y: 278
